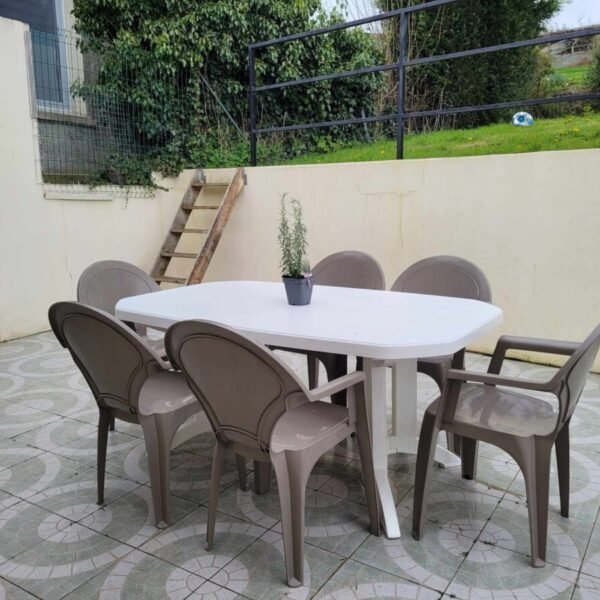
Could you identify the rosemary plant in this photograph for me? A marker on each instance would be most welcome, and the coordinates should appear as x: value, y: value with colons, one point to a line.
x: 292, y: 240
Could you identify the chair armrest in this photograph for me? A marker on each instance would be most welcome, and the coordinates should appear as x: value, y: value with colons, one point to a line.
x: 509, y: 342
x: 492, y: 379
x: 337, y: 385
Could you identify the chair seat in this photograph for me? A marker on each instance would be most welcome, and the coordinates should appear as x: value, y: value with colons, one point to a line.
x: 307, y: 424
x: 164, y: 393
x: 499, y: 409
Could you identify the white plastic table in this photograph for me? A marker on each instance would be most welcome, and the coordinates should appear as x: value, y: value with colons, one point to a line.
x: 385, y: 328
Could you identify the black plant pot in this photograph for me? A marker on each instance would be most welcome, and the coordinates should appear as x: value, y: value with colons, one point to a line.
x: 298, y: 290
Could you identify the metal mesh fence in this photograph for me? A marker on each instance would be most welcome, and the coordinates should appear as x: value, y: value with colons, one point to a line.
x: 108, y: 130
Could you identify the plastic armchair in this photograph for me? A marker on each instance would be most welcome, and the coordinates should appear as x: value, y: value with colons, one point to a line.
x: 258, y: 408
x: 525, y: 426
x: 106, y: 282
x: 130, y: 382
x: 444, y: 276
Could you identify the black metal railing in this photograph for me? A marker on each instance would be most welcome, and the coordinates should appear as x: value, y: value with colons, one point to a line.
x: 401, y: 115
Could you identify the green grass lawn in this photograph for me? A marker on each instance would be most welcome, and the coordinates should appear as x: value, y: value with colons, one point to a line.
x: 567, y: 133
x: 576, y: 77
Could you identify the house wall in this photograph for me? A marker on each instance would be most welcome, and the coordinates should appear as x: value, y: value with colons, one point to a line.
x: 530, y: 221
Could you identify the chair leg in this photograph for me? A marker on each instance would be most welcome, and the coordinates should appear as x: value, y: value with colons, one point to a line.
x: 313, y: 371
x: 336, y: 366
x: 215, y: 484
x: 262, y: 477
x: 425, y: 456
x: 292, y: 470
x: 154, y: 471
x: 111, y: 426
x: 242, y: 473
x: 564, y: 469
x: 103, y: 425
x: 454, y: 443
x: 365, y: 450
x: 536, y: 471
x: 468, y: 453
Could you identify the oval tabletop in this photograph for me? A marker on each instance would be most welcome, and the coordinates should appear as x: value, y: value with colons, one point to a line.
x: 369, y: 323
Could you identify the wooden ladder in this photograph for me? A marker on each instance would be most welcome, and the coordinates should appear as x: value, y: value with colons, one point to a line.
x: 192, y: 222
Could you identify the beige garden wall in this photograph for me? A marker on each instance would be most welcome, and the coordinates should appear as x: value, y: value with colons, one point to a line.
x: 532, y: 222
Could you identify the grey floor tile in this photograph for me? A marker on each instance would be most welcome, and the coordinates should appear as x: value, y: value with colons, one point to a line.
x: 491, y: 572
x: 508, y: 528
x: 587, y: 588
x: 591, y: 561
x: 130, y: 518
x: 432, y: 562
x: 139, y: 575
x: 455, y: 509
x: 12, y: 592
x: 16, y: 419
x: 355, y: 581
x: 13, y: 452
x: 32, y: 476
x: 261, y: 567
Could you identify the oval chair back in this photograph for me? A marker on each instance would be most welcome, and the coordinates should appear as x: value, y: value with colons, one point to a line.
x: 351, y: 269
x: 445, y: 276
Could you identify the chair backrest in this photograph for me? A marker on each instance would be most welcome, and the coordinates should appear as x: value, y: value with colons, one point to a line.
x: 113, y: 359
x: 106, y: 282
x: 242, y: 386
x: 445, y: 276
x: 572, y: 377
x: 351, y: 269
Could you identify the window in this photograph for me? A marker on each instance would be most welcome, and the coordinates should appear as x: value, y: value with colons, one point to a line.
x: 46, y: 21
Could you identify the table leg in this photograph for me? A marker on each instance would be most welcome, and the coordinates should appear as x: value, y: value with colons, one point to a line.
x: 376, y: 403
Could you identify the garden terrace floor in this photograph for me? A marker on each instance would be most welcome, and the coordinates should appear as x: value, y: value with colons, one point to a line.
x: 55, y: 542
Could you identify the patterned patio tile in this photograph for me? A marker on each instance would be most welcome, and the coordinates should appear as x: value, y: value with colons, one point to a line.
x: 12, y: 592
x: 77, y: 497
x: 15, y: 419
x: 331, y: 522
x: 13, y: 452
x: 140, y: 575
x: 190, y: 479
x: 587, y: 588
x: 130, y: 518
x: 78, y: 441
x: 488, y: 572
x: 48, y: 397
x: 508, y: 529
x: 455, y: 509
x: 584, y: 486
x: 10, y: 384
x: 61, y: 555
x: 431, y: 562
x: 52, y: 364
x: 38, y: 473
x: 355, y: 581
x: 591, y: 561
x: 259, y: 571
x: 493, y: 477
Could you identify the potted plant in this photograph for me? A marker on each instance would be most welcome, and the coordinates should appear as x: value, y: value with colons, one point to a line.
x: 295, y: 268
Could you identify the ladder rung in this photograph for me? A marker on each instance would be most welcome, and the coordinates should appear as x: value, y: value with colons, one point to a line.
x: 166, y: 254
x: 188, y: 230
x: 215, y: 184
x: 165, y: 279
x: 200, y: 207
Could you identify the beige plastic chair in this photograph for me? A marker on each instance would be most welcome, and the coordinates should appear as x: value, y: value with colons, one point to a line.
x: 258, y: 408
x: 106, y: 282
x: 444, y: 276
x: 351, y: 269
x: 525, y: 426
x: 129, y: 382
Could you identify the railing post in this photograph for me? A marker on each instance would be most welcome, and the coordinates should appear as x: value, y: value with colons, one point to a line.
x: 252, y: 103
x: 401, y: 107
